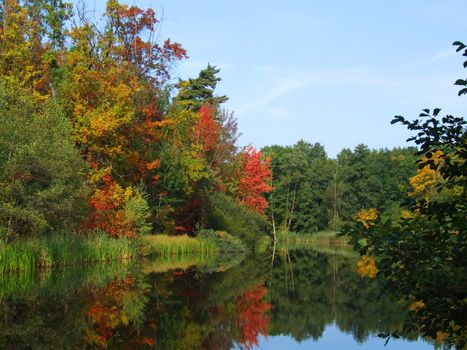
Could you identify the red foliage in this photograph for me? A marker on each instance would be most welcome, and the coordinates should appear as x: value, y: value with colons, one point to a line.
x: 208, y: 130
x: 252, y: 319
x: 254, y: 177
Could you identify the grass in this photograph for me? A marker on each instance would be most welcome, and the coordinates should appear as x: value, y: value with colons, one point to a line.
x: 165, y: 245
x: 62, y: 250
x: 322, y: 238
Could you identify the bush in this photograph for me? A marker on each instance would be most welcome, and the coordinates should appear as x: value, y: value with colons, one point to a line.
x: 41, y: 173
x: 227, y: 215
x: 137, y: 213
x: 224, y: 242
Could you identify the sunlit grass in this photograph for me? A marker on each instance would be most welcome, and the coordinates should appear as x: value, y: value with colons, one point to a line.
x: 165, y: 245
x: 62, y: 250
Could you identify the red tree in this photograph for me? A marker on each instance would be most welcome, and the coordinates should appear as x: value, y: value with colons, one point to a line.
x: 254, y: 178
x: 208, y: 130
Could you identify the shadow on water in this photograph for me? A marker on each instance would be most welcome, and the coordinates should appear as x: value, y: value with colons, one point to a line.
x: 188, y: 303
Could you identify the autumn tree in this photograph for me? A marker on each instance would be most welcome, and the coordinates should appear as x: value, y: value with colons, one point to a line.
x: 198, y: 151
x: 32, y: 40
x: 112, y: 82
x: 254, y: 179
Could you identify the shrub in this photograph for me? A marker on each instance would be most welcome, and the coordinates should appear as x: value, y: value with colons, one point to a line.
x: 41, y: 173
x: 227, y: 215
x: 137, y: 213
x: 224, y: 242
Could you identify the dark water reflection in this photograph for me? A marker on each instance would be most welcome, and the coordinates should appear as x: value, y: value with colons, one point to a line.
x: 165, y: 305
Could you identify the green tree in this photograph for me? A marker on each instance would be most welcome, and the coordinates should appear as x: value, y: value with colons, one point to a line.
x: 41, y: 174
x: 196, y: 91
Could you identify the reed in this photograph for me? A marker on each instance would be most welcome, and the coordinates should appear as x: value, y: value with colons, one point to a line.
x: 165, y: 245
x: 62, y: 250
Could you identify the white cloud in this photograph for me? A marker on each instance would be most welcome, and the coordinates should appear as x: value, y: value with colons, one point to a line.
x: 438, y: 56
x: 281, y: 89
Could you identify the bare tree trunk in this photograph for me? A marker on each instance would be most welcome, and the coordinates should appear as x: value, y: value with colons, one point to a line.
x: 335, y: 214
x: 292, y: 208
x: 286, y: 216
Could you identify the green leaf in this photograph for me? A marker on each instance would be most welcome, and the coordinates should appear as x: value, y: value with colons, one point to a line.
x: 397, y: 119
x: 363, y: 242
x: 460, y: 45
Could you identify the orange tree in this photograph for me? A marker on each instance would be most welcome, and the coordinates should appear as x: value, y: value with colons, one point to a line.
x: 111, y: 86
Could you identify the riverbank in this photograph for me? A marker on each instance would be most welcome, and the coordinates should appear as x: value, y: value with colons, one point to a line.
x: 165, y: 245
x: 59, y: 250
x: 63, y: 250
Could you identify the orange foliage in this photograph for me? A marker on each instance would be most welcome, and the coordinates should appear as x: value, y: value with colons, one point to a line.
x: 366, y: 267
x: 208, y: 130
x: 106, y: 316
x: 255, y: 176
x: 105, y: 313
x: 108, y: 213
x: 367, y: 217
x: 114, y: 80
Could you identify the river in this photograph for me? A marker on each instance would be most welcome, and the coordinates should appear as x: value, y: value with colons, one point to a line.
x: 306, y: 299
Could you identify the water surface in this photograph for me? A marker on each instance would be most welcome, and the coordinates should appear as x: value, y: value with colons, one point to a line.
x: 305, y: 299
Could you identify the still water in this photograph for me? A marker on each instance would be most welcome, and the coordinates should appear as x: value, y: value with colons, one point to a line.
x: 306, y: 299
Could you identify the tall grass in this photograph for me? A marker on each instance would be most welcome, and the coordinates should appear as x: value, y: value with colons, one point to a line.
x: 165, y: 245
x: 62, y: 250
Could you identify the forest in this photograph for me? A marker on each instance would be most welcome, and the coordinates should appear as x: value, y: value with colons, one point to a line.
x: 95, y: 138
x: 104, y: 157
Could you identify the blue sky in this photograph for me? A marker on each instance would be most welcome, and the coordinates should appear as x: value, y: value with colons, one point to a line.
x: 333, y: 72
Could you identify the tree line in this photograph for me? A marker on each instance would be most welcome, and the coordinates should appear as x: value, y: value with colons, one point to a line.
x: 313, y: 192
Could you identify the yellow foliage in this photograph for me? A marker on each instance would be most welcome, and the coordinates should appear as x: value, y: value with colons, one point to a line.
x: 367, y: 217
x: 97, y: 175
x: 124, y: 319
x: 416, y: 305
x: 425, y: 181
x: 366, y: 267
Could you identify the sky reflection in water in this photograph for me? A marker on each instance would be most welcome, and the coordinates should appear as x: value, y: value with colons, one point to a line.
x: 334, y: 338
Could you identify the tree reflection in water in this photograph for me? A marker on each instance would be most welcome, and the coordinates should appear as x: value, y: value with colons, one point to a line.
x: 189, y: 309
